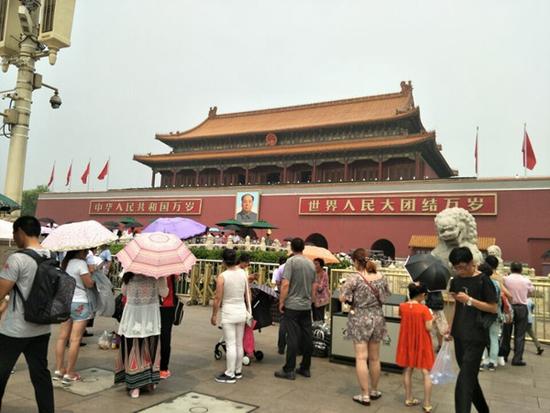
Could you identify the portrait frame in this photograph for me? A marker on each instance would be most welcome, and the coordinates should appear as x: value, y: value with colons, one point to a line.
x: 242, y: 202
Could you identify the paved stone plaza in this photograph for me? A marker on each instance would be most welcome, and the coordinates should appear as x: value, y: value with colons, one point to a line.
x: 330, y: 389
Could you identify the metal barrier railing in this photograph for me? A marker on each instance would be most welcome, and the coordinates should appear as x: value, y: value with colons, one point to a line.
x: 200, y: 285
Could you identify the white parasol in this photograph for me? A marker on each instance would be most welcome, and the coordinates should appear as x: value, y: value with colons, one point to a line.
x: 78, y: 236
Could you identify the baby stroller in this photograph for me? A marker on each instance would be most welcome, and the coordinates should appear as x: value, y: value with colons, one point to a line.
x: 262, y: 299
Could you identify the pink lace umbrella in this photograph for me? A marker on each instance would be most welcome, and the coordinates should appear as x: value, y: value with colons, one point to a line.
x: 156, y: 254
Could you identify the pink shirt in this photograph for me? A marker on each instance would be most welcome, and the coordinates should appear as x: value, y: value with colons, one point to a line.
x: 519, y: 286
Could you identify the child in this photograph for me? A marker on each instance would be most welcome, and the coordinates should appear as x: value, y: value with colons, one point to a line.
x: 414, y: 349
x: 530, y: 320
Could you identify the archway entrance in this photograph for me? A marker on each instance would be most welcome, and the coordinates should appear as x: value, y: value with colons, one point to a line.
x: 384, y: 245
x: 317, y: 239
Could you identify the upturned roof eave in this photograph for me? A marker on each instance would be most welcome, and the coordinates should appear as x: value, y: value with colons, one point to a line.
x: 182, y: 137
x: 418, y: 139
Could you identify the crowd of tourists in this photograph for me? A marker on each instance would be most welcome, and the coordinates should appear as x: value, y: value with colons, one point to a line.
x: 488, y: 308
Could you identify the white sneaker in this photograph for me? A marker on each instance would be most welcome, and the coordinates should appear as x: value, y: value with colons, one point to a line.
x: 501, y: 361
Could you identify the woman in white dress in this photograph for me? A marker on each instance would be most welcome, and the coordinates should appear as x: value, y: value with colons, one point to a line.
x: 138, y: 361
x: 231, y: 296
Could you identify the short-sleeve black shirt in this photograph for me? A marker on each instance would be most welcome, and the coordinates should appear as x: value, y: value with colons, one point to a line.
x: 465, y: 325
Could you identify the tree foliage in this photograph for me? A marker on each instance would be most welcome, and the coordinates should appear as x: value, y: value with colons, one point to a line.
x: 30, y: 198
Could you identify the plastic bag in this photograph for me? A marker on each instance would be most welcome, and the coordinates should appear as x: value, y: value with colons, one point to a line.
x: 104, y: 341
x: 444, y: 370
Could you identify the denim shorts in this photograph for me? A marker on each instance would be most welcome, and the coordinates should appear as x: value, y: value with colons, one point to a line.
x: 80, y: 311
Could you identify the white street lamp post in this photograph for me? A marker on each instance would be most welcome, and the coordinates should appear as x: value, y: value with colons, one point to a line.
x: 36, y: 25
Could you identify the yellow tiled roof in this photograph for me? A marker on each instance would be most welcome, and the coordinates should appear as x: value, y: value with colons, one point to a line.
x: 388, y: 106
x: 430, y: 241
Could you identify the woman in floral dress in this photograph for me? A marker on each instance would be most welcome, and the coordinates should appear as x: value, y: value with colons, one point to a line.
x: 367, y: 290
x: 138, y: 361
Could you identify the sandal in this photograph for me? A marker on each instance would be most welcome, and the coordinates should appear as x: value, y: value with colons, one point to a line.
x: 68, y: 380
x: 427, y: 409
x: 412, y: 402
x: 57, y: 375
x: 364, y: 400
x: 375, y: 394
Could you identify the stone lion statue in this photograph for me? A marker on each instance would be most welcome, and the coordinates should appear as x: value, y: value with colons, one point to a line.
x: 455, y: 227
x: 495, y: 251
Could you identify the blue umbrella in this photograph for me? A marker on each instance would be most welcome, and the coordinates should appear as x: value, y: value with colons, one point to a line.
x: 183, y: 228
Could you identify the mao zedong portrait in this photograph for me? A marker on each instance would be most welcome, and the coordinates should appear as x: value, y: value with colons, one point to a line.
x: 246, y: 215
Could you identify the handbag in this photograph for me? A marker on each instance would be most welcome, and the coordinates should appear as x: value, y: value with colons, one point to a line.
x: 178, y: 314
x: 485, y: 320
x: 119, y: 307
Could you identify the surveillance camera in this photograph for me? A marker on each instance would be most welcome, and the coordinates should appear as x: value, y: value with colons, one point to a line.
x: 55, y: 101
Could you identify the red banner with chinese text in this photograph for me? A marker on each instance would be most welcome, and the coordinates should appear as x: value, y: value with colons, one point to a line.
x: 417, y: 204
x: 146, y: 207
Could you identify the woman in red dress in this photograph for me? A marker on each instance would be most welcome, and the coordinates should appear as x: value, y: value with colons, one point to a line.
x: 414, y: 349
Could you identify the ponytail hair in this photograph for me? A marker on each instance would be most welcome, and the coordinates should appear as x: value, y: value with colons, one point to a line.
x: 371, y: 267
x: 359, y: 256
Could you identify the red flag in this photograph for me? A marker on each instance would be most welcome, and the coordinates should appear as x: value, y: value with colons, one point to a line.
x: 104, y: 172
x: 84, y: 177
x: 69, y: 173
x: 475, y: 151
x: 529, y: 158
x: 51, y: 175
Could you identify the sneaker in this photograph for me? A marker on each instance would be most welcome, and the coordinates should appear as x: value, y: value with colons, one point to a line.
x: 303, y: 372
x: 281, y: 374
x: 164, y: 374
x: 540, y: 350
x: 482, y: 367
x: 239, y: 375
x: 519, y: 363
x: 491, y: 367
x: 134, y: 393
x: 224, y: 378
x: 501, y: 361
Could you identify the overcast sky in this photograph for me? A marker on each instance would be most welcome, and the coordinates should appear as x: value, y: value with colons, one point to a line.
x: 136, y: 68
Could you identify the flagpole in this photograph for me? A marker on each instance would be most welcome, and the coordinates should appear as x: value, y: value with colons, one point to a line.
x: 108, y: 172
x: 477, y: 152
x: 524, y: 150
x: 71, y: 175
x: 53, y: 174
x: 88, y: 180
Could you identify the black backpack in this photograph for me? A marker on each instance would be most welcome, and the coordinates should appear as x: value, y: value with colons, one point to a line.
x: 49, y: 300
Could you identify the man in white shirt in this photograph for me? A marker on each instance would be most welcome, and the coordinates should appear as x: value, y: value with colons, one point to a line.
x: 17, y: 335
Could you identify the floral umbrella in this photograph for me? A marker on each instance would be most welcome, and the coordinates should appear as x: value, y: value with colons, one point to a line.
x: 78, y: 236
x: 183, y: 228
x: 156, y: 254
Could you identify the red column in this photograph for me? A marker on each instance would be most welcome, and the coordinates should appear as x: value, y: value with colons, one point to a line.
x: 246, y: 176
x: 417, y: 165
x: 380, y: 168
x: 197, y: 172
x: 173, y: 177
x: 314, y: 171
x: 346, y: 170
x: 283, y: 179
x: 221, y: 176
